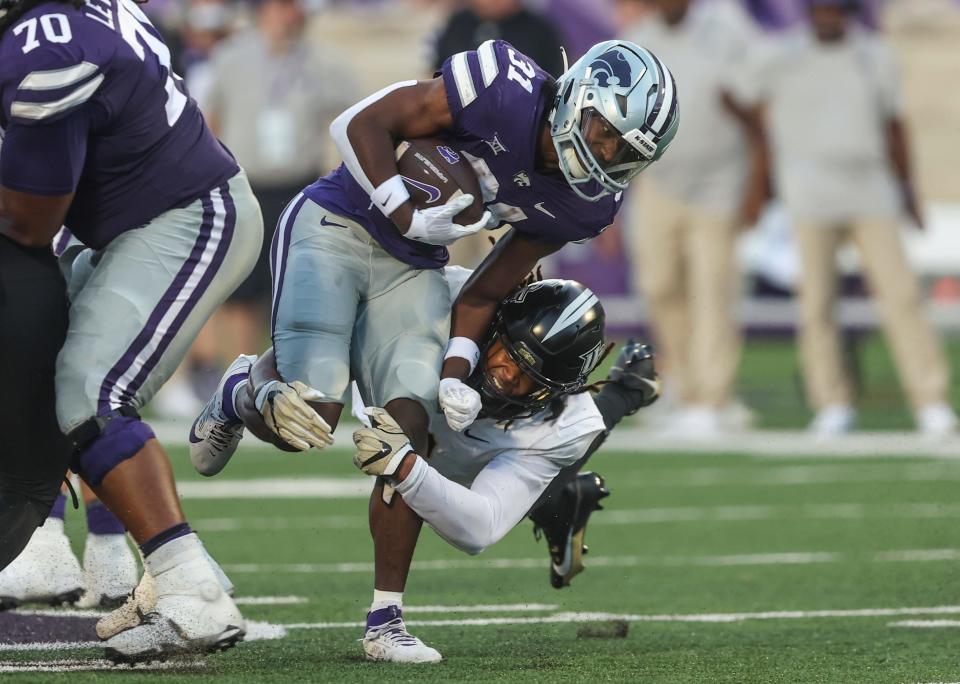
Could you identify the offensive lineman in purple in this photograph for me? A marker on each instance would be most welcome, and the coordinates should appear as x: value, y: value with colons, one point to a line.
x: 501, y: 130
x: 91, y: 107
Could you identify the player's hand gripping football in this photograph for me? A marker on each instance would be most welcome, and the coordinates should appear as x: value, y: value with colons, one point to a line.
x: 286, y: 412
x: 460, y: 403
x: 435, y: 225
x: 382, y: 446
x: 634, y: 370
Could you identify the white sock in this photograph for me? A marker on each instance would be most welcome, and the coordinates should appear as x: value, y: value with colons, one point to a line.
x: 384, y: 599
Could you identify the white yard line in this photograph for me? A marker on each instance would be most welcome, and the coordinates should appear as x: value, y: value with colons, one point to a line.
x: 359, y: 487
x: 484, y: 608
x: 578, y: 617
x: 270, y: 600
x: 51, y: 646
x: 771, y: 443
x: 925, y: 624
x: 753, y: 559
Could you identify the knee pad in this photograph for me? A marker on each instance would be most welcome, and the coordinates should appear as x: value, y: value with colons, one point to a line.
x: 104, y: 442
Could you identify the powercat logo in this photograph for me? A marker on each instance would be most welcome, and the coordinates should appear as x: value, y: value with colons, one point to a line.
x: 449, y: 154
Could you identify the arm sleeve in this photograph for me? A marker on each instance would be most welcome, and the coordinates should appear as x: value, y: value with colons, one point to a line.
x: 45, y: 159
x: 500, y: 496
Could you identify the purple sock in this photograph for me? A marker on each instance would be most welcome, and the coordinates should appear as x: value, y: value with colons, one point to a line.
x: 59, y: 507
x: 101, y: 520
x: 168, y: 535
x: 378, y: 618
x: 228, y: 388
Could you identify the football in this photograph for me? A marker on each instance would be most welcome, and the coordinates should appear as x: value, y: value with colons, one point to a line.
x: 434, y: 172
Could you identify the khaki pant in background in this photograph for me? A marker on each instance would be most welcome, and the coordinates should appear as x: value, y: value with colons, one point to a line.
x: 683, y: 260
x: 913, y: 343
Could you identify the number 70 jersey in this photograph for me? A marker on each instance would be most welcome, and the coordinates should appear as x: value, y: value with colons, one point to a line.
x: 499, y: 99
x: 93, y: 87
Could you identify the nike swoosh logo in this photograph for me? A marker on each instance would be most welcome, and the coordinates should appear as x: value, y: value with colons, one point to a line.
x: 193, y: 432
x: 383, y: 453
x: 325, y: 222
x: 563, y: 569
x: 540, y: 207
x: 479, y: 439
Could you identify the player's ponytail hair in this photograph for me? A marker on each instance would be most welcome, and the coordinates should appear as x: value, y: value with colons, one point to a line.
x: 12, y: 10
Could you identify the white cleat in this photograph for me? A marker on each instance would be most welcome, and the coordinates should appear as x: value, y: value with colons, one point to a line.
x: 192, y: 613
x: 214, y: 437
x: 833, y: 421
x: 388, y: 640
x: 936, y: 420
x: 143, y: 599
x: 109, y: 570
x: 46, y: 571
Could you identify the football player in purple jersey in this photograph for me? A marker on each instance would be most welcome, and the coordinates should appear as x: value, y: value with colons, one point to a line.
x: 101, y: 136
x: 357, y: 292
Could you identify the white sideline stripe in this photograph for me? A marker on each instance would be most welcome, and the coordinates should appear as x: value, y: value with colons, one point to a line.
x: 717, y: 618
x: 793, y: 558
x: 98, y: 665
x: 484, y: 608
x: 765, y: 443
x: 629, y: 516
x: 925, y: 623
x: 279, y: 488
x: 270, y: 600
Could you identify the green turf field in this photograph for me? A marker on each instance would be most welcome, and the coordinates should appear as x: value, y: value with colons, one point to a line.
x: 727, y: 568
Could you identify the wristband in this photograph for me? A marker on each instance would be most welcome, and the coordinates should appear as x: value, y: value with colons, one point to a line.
x: 390, y: 194
x: 262, y: 393
x: 465, y: 348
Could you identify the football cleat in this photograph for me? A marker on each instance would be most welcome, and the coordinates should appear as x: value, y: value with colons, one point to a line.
x: 213, y: 436
x: 143, y: 599
x: 192, y: 614
x: 387, y: 639
x: 564, y: 524
x: 109, y: 571
x: 46, y: 571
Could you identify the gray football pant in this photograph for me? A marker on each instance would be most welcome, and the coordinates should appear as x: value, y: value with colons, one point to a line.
x: 344, y: 309
x: 137, y: 305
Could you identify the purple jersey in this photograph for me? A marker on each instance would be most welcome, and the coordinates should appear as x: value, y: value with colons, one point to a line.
x: 89, y: 105
x: 498, y: 100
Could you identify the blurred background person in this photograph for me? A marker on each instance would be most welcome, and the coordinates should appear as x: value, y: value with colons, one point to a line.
x: 842, y: 163
x: 272, y: 93
x: 510, y: 20
x: 206, y: 24
x: 690, y: 208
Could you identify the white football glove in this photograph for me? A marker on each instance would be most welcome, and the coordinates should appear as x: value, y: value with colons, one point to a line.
x: 460, y: 403
x: 285, y: 410
x: 382, y: 446
x: 435, y: 225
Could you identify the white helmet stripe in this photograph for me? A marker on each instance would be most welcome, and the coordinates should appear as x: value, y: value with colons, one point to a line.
x: 575, y: 309
x: 663, y: 117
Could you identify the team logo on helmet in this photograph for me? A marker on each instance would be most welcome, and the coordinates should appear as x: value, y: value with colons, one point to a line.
x: 612, y: 68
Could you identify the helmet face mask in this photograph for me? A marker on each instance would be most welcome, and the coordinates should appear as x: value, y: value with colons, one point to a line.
x: 620, y: 88
x: 550, y: 335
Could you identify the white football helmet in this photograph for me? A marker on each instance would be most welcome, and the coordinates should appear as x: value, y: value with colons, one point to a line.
x: 620, y: 92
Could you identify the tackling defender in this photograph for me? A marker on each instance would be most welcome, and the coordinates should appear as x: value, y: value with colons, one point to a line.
x: 357, y: 289
x: 536, y: 431
x: 101, y: 137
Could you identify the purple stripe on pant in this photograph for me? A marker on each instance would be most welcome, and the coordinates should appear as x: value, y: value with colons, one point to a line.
x: 287, y: 231
x: 169, y: 298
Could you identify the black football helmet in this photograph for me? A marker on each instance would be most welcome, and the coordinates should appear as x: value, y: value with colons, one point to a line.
x: 553, y: 330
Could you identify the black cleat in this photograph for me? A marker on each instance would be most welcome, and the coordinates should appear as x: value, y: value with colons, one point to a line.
x: 564, y: 524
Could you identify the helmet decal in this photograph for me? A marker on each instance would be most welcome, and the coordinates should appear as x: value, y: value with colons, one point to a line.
x: 577, y: 308
x: 612, y: 69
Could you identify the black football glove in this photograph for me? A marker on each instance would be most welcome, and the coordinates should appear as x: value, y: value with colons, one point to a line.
x: 634, y: 371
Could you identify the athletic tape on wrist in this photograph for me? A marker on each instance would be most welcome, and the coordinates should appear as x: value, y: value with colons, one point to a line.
x: 464, y: 348
x: 390, y: 194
